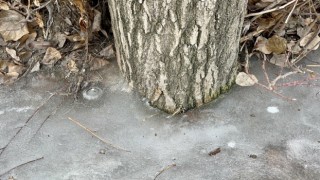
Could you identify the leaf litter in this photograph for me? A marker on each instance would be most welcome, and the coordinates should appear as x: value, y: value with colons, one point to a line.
x: 46, y: 35
x: 281, y: 33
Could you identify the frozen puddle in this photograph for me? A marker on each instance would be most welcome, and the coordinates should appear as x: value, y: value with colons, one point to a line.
x: 273, y: 109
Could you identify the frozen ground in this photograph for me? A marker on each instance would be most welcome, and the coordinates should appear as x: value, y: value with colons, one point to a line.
x: 260, y: 135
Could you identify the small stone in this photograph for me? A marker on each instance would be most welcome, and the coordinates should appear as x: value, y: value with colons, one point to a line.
x: 102, y: 151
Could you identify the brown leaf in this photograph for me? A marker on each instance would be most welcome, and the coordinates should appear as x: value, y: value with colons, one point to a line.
x: 293, y: 48
x: 26, y: 39
x: 260, y: 45
x: 14, y: 69
x: 61, y: 38
x: 265, y: 23
x: 35, y: 68
x: 4, y: 6
x: 39, y: 20
x: 72, y: 66
x: 80, y: 5
x: 25, y: 56
x: 51, y: 57
x: 13, y: 53
x: 75, y: 38
x: 277, y: 44
x: 97, y: 63
x: 310, y: 42
x: 108, y: 52
x: 279, y: 60
x: 12, y: 25
x: 244, y: 79
x: 4, y: 65
x: 36, y: 2
x: 96, y: 21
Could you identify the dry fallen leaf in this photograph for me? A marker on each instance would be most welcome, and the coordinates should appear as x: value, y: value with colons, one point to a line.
x: 260, y: 45
x: 12, y: 25
x: 313, y: 45
x: 35, y: 68
x: 15, y: 69
x: 51, y: 57
x: 13, y: 53
x: 72, y: 66
x: 277, y: 44
x: 293, y: 48
x: 244, y: 79
x: 4, y: 6
x: 279, y: 60
x: 36, y: 2
x: 3, y: 65
x: 96, y: 21
x: 61, y: 38
x: 107, y: 52
x: 39, y: 20
x: 81, y: 5
x: 97, y: 63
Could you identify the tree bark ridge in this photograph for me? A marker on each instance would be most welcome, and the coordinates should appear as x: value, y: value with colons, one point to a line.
x: 177, y: 53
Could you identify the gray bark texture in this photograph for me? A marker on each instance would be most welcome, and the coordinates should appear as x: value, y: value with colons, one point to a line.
x: 179, y: 54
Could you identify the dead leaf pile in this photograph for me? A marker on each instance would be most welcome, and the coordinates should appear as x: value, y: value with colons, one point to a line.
x: 280, y: 31
x: 285, y: 30
x: 40, y: 34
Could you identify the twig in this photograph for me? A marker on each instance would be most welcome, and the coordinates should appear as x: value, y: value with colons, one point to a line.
x: 276, y: 93
x: 51, y: 114
x: 289, y: 15
x: 313, y: 65
x: 164, y: 169
x: 21, y: 165
x: 30, y: 117
x: 273, y: 83
x: 264, y: 69
x: 271, y: 10
x: 95, y: 135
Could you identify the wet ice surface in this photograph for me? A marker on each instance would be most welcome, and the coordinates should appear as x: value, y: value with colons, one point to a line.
x: 273, y: 109
x: 254, y: 143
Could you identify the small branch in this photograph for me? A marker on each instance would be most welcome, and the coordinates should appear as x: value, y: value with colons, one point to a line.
x: 278, y: 94
x: 273, y: 83
x: 51, y: 114
x: 164, y: 169
x: 313, y: 65
x: 264, y: 69
x: 21, y: 165
x: 95, y: 135
x: 271, y: 10
x: 30, y: 117
x: 289, y: 15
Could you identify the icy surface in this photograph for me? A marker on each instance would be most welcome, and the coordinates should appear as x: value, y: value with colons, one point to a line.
x: 253, y: 142
x: 273, y: 109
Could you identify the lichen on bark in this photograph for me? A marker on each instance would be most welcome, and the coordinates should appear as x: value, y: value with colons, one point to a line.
x: 179, y: 54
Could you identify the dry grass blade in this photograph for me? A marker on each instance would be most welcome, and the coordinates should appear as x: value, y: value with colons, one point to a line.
x: 95, y: 135
x: 164, y: 169
x: 21, y: 165
x: 271, y: 10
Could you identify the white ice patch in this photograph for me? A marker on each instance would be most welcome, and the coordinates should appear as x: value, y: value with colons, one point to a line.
x: 232, y: 144
x: 273, y: 109
x: 304, y: 150
x: 18, y: 109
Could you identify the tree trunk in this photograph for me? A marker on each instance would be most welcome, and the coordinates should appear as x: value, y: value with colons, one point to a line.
x: 179, y: 54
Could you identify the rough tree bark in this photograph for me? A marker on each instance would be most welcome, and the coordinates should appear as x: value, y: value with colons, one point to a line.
x: 179, y: 54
